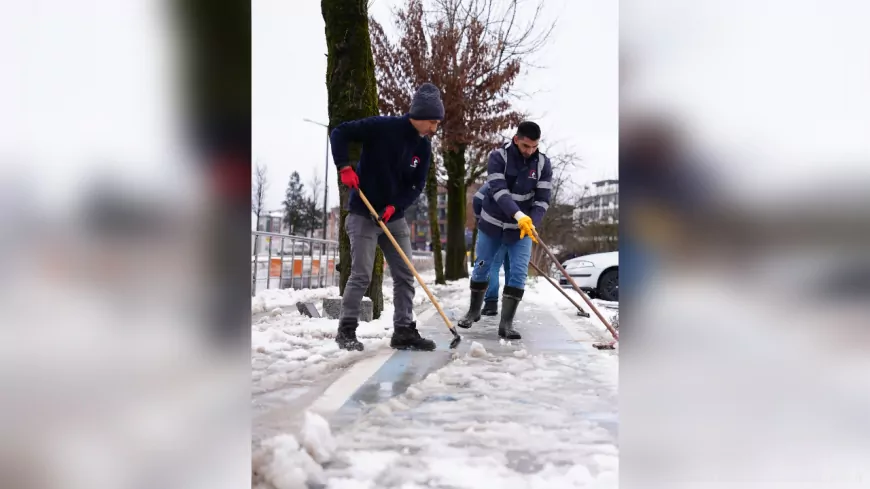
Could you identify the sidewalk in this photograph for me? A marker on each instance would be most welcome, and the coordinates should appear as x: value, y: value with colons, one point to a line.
x: 540, y: 412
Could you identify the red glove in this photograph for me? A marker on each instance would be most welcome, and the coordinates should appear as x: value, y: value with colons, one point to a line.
x: 388, y: 213
x: 349, y: 177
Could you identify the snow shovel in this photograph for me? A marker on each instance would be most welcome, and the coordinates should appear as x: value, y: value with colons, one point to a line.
x: 583, y: 295
x: 581, y: 312
x: 456, y: 338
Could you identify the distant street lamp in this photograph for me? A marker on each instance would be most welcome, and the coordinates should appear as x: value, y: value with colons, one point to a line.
x: 325, y: 175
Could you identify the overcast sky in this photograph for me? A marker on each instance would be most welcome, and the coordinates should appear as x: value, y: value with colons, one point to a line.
x: 576, y: 102
x: 780, y: 87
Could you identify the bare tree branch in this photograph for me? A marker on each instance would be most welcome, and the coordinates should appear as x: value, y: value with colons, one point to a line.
x: 315, y: 184
x: 258, y: 192
x: 473, y: 50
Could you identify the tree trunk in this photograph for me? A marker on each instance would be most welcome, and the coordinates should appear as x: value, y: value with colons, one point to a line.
x: 454, y: 162
x: 434, y: 230
x: 352, y: 89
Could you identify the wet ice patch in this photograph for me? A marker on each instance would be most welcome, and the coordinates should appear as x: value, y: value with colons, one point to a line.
x: 454, y: 313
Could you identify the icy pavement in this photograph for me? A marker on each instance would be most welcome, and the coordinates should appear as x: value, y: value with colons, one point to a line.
x: 539, y: 412
x: 515, y: 421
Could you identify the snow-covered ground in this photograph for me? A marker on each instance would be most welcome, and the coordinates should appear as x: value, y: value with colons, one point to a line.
x: 541, y: 292
x: 489, y: 421
x: 287, y: 346
x: 498, y: 418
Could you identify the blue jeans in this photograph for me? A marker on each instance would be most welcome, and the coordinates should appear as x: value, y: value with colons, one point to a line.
x: 638, y: 264
x: 500, y: 255
x: 487, y: 252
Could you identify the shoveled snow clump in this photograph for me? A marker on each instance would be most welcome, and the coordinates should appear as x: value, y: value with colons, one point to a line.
x: 477, y: 350
x: 282, y: 462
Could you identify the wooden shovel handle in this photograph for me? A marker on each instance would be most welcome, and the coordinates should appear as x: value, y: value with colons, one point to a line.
x: 405, y: 258
x: 571, y: 281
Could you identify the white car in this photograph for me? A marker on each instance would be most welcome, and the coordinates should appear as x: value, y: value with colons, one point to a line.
x: 596, y: 274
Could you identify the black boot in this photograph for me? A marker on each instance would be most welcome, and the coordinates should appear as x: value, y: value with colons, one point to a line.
x: 490, y: 308
x: 346, y: 337
x: 478, y: 290
x: 510, y: 300
x: 408, y: 338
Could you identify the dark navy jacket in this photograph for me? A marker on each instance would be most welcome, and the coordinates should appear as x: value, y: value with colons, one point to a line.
x: 515, y: 184
x: 393, y: 165
x: 477, y: 202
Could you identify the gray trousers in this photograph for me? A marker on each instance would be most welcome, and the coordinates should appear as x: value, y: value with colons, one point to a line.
x: 365, y: 235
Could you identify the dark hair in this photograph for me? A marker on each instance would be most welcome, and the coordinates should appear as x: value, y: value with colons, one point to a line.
x: 530, y: 130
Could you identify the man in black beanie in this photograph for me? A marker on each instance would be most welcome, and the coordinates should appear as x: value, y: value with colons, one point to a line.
x: 392, y: 172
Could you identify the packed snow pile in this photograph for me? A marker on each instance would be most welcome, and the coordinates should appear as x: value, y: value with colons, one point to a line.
x: 269, y: 299
x: 282, y: 462
x: 542, y: 421
x: 477, y: 350
x: 317, y: 438
x: 454, y: 289
x: 288, y: 347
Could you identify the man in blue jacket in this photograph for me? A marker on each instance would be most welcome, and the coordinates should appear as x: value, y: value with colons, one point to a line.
x: 490, y: 299
x: 391, y: 172
x: 519, y: 178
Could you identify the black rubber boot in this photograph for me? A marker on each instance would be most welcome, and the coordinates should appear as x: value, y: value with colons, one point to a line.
x: 478, y: 290
x: 490, y: 308
x: 346, y: 337
x: 509, y: 302
x: 408, y: 338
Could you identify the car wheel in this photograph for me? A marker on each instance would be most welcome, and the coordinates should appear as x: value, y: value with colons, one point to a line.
x: 608, y: 286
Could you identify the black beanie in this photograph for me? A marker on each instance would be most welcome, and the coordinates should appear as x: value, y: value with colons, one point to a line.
x: 426, y: 104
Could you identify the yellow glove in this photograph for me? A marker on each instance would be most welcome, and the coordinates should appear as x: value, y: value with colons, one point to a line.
x: 526, y: 226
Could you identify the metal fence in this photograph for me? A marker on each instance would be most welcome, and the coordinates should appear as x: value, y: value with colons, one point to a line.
x: 423, y: 260
x: 284, y: 261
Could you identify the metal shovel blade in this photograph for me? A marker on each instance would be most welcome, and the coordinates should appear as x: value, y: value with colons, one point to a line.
x: 456, y: 339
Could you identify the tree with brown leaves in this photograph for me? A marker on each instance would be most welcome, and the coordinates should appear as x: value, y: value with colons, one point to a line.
x: 472, y: 50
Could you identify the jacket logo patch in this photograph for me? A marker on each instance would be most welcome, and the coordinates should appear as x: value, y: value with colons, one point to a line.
x: 533, y: 174
x: 415, y: 161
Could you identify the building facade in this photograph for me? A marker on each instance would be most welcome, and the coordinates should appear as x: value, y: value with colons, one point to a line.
x: 272, y: 222
x: 599, y: 203
x: 332, y: 221
x: 418, y: 217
